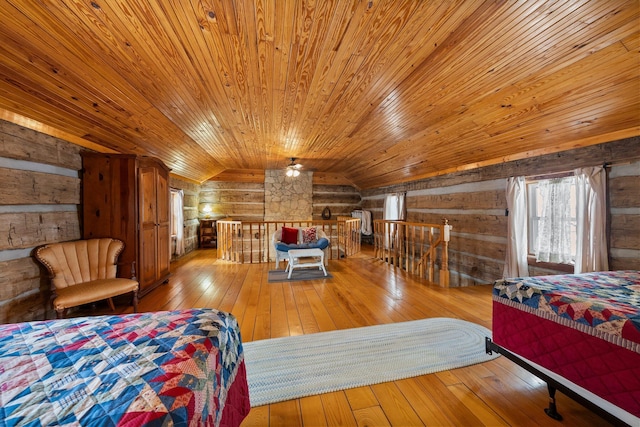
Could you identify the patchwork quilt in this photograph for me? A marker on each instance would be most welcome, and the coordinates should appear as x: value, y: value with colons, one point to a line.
x: 181, y: 368
x: 603, y: 304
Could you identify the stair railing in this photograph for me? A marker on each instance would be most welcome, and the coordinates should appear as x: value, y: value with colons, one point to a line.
x: 251, y: 241
x: 414, y: 247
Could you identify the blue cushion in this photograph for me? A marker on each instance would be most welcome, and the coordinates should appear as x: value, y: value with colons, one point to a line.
x: 321, y: 243
x: 283, y: 247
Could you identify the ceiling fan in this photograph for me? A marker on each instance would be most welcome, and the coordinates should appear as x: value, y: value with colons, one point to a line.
x: 293, y: 169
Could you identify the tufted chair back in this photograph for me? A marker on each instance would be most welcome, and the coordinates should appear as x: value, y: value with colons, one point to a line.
x: 80, y: 261
x: 84, y: 271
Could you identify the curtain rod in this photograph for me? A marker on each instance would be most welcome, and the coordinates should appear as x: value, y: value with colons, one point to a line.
x: 562, y: 174
x: 549, y: 175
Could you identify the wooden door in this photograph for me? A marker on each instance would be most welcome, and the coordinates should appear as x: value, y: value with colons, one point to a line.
x: 148, y: 222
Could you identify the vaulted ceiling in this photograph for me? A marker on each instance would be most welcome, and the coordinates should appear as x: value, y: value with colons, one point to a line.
x: 378, y: 92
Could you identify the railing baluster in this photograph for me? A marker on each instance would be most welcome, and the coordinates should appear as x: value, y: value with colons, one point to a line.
x: 398, y: 243
x: 235, y: 238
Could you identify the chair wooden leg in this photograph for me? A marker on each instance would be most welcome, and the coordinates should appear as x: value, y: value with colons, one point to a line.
x: 113, y: 307
x: 135, y: 301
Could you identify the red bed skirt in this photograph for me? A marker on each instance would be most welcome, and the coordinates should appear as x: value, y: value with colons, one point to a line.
x: 237, y: 405
x: 603, y: 368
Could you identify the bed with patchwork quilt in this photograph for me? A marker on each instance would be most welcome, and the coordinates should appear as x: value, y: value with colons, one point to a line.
x: 578, y: 332
x: 146, y: 369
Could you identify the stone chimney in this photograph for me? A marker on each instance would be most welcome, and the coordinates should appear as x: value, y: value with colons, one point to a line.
x: 288, y: 198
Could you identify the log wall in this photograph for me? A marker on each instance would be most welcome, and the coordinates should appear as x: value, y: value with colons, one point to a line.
x: 245, y: 201
x: 39, y: 203
x: 340, y: 199
x: 474, y: 203
x: 624, y: 210
x: 241, y: 200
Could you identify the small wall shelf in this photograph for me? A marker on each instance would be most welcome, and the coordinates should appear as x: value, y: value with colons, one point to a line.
x: 207, y: 234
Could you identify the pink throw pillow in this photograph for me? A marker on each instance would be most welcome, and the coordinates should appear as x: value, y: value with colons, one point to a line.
x: 289, y: 235
x: 309, y: 235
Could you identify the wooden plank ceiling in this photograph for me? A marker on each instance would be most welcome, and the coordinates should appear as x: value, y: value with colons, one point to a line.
x: 379, y: 92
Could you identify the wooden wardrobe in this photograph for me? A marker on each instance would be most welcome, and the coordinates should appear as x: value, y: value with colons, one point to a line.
x: 127, y: 197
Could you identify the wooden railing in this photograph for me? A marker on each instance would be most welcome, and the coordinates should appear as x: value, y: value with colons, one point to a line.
x: 414, y: 247
x: 251, y: 241
x: 349, y: 234
x: 229, y: 234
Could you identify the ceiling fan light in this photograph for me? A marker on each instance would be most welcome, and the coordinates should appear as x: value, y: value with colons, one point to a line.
x: 292, y: 168
x: 291, y: 172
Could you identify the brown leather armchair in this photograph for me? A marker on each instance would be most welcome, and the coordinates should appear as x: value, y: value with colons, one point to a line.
x: 84, y: 271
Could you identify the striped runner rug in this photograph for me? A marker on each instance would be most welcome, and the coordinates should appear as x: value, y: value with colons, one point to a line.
x: 292, y: 367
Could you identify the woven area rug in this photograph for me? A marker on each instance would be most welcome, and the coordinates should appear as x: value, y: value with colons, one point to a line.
x: 291, y: 367
x: 298, y: 274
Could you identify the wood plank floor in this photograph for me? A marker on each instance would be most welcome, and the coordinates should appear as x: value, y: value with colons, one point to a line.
x: 364, y: 292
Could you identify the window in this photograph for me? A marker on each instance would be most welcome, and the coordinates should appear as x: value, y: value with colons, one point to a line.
x: 552, y: 219
x: 394, y: 210
x: 176, y: 208
x: 177, y: 222
x: 546, y: 213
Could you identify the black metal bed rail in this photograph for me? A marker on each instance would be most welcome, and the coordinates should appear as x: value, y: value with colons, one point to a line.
x: 553, y: 386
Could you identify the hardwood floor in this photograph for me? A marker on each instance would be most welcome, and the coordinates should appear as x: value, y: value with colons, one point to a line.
x: 363, y: 292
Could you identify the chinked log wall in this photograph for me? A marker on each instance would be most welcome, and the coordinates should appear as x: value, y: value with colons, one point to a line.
x: 339, y: 199
x: 39, y: 203
x: 474, y: 203
x: 244, y: 200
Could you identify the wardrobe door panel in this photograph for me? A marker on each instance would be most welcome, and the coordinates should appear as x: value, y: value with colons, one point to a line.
x: 148, y: 236
x: 148, y: 259
x: 148, y: 202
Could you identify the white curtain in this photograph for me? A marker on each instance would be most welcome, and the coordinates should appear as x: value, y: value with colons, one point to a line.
x: 177, y: 217
x: 554, y: 227
x: 394, y: 210
x: 516, y: 260
x: 591, y: 192
x: 402, y: 206
x: 394, y: 207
